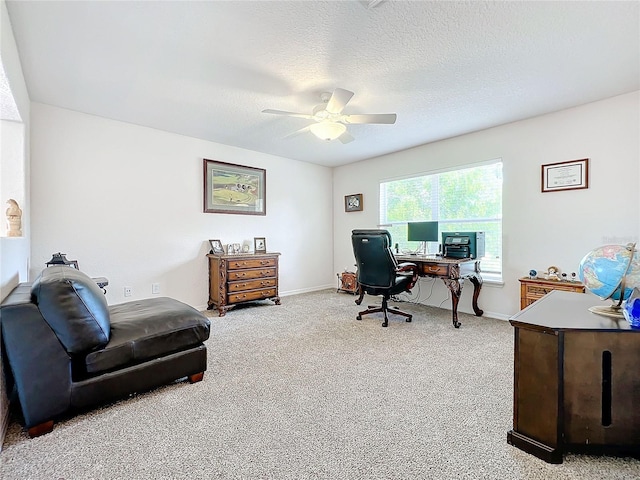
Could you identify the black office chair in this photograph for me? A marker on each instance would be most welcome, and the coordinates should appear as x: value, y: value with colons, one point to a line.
x: 378, y: 271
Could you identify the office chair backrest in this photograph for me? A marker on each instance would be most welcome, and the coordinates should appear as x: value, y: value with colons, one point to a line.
x: 374, y: 258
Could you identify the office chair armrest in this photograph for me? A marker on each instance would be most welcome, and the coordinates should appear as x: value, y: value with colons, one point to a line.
x: 413, y: 269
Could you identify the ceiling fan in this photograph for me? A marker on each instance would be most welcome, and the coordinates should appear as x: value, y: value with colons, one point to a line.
x: 330, y: 122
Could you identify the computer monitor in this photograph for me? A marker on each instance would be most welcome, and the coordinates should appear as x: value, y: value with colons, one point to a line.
x: 422, y: 231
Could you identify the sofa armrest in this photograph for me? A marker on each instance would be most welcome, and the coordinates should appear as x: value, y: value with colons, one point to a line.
x: 38, y: 361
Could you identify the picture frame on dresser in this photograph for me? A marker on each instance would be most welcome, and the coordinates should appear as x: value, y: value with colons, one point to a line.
x: 259, y: 245
x: 232, y: 188
x: 216, y: 247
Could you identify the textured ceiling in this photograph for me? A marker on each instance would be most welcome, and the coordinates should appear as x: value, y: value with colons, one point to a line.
x: 208, y: 69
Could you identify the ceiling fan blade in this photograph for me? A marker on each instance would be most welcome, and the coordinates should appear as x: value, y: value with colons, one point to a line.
x: 346, y: 137
x: 288, y: 114
x: 298, y: 132
x: 387, y: 118
x: 338, y: 100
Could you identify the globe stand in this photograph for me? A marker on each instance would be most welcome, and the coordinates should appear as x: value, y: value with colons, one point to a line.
x: 610, y: 311
x: 615, y: 310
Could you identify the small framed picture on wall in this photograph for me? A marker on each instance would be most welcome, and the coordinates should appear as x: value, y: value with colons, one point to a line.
x: 260, y: 245
x: 571, y: 175
x: 353, y: 203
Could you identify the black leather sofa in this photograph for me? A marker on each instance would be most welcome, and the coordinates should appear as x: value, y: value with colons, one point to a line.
x: 65, y: 348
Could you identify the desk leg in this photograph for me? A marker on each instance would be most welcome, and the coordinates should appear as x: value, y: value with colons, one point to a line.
x: 453, y: 284
x: 477, y: 285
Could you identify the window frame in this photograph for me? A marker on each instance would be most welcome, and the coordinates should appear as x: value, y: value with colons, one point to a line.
x: 495, y: 275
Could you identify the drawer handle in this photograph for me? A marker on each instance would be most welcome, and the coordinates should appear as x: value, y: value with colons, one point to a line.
x: 433, y: 269
x: 243, y: 274
x: 265, y: 294
x: 264, y: 262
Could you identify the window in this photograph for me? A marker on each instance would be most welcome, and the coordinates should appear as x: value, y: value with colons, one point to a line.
x: 467, y: 199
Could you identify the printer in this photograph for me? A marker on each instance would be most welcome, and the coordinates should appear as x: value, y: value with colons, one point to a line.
x: 463, y: 244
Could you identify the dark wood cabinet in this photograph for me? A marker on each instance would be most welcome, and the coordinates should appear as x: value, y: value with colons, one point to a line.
x: 235, y: 279
x: 576, y: 380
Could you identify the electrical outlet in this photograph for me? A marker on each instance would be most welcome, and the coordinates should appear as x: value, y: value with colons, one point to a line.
x: 155, y: 288
x: 128, y: 291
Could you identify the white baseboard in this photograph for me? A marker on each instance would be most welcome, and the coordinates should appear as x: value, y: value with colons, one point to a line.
x: 307, y: 290
x: 202, y: 308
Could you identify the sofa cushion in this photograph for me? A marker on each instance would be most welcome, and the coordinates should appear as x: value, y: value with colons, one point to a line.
x: 74, y: 307
x: 146, y: 329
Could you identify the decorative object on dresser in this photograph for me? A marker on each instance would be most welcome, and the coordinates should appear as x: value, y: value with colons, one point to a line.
x: 260, y: 245
x: 347, y: 282
x: 230, y: 188
x: 353, y: 203
x: 532, y: 289
x: 216, y: 247
x: 552, y: 273
x: 576, y: 380
x: 235, y: 279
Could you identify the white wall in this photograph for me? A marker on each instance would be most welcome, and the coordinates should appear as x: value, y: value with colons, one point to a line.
x: 127, y: 201
x: 539, y: 229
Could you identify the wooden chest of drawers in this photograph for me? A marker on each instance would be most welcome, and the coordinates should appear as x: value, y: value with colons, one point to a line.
x: 532, y: 289
x: 235, y: 279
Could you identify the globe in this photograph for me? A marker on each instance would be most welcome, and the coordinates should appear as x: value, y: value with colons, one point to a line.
x: 603, y: 270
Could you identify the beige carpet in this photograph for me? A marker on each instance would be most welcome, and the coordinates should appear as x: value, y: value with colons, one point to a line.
x: 304, y: 391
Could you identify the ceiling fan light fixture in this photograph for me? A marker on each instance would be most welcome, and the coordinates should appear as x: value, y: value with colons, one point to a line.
x: 327, y: 130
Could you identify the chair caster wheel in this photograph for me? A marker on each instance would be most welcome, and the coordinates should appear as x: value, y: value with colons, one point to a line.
x: 358, y: 317
x: 408, y: 319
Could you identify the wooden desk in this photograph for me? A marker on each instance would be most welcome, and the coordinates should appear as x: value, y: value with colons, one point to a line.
x: 453, y: 272
x: 576, y: 379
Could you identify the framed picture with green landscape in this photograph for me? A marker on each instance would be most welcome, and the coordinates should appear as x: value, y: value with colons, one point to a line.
x: 231, y: 188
